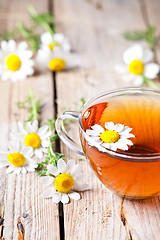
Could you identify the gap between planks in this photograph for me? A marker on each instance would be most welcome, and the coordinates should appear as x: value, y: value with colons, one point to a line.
x: 57, y: 142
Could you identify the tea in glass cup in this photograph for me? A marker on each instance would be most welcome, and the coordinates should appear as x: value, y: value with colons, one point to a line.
x: 120, y: 136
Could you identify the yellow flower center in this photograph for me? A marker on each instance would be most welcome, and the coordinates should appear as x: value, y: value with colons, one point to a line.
x: 52, y: 45
x: 13, y: 62
x: 136, y: 67
x: 17, y: 159
x: 109, y: 136
x: 64, y: 182
x: 32, y: 140
x: 57, y: 65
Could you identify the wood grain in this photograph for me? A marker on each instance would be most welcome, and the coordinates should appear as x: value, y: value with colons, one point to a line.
x: 94, y: 29
x: 20, y: 196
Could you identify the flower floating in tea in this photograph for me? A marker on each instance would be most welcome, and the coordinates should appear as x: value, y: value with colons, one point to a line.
x: 55, y: 42
x: 113, y: 136
x: 15, y: 61
x: 18, y: 158
x: 63, y: 181
x: 139, y: 67
x: 35, y: 137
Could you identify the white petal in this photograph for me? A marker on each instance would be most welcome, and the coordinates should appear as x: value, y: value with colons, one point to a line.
x: 64, y: 198
x: 129, y: 135
x: 53, y: 170
x: 128, y: 142
x: 125, y: 130
x: 43, y: 149
x: 17, y: 170
x: 48, y: 193
x: 119, y: 127
x: 11, y: 45
x: 24, y: 171
x: 4, y: 45
x: 98, y: 128
x: 29, y: 127
x: 74, y: 195
x: 22, y: 46
x: 42, y: 130
x: 97, y: 139
x: 113, y: 146
x: 147, y: 55
x: 92, y: 132
x: 106, y: 145
x: 110, y: 126
x: 31, y: 167
x: 45, y: 143
x: 46, y: 135
x: 56, y: 197
x: 70, y: 165
x: 121, y: 145
x: 27, y: 151
x: 151, y: 70
x: 10, y: 169
x: 5, y: 76
x: 38, y: 152
x: 35, y: 126
x: 46, y: 38
x: 133, y: 53
x: 61, y: 166
x: 138, y: 81
x: 47, y: 180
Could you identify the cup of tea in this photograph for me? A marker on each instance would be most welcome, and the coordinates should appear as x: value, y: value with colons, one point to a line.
x: 120, y: 137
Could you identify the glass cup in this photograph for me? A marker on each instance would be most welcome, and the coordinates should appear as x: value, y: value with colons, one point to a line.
x: 135, y: 176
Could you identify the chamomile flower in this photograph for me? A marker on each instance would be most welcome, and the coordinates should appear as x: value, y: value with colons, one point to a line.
x: 18, y: 158
x: 34, y: 137
x: 139, y: 66
x: 113, y: 136
x: 56, y: 61
x: 55, y: 42
x: 15, y: 61
x: 65, y: 179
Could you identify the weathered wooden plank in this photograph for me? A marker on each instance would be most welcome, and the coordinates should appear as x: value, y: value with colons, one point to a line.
x: 143, y: 216
x: 20, y: 196
x: 94, y: 29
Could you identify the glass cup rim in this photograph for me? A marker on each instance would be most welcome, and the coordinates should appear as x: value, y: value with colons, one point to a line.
x: 135, y: 157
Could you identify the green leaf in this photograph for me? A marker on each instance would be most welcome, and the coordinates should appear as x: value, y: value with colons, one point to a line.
x: 148, y: 35
x: 46, y: 20
x: 149, y: 82
x: 134, y: 35
x: 8, y: 35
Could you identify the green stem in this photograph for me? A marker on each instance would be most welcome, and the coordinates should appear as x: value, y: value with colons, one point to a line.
x: 150, y: 83
x: 33, y: 103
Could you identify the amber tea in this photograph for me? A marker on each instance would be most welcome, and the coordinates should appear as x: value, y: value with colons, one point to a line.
x: 140, y: 113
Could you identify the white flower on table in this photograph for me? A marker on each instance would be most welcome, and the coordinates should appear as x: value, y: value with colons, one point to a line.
x: 18, y: 158
x: 139, y: 66
x: 15, y: 61
x: 113, y: 136
x: 35, y: 137
x: 55, y: 42
x: 56, y: 61
x: 65, y: 180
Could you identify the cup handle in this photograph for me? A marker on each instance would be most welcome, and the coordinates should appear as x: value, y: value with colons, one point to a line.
x: 64, y: 135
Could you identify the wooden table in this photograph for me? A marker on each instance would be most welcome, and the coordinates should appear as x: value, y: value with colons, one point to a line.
x: 94, y: 28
